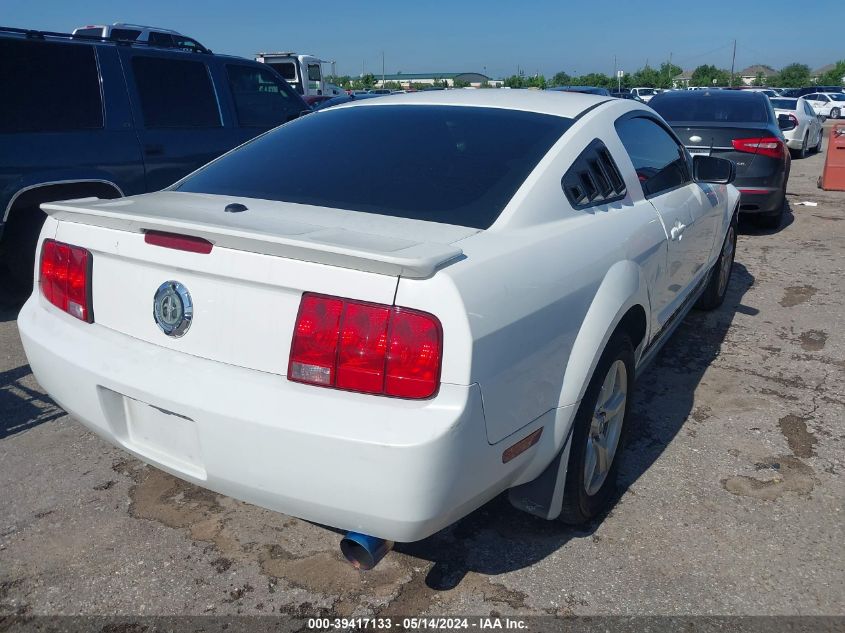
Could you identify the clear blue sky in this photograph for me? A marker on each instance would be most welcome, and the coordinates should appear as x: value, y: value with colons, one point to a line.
x: 471, y: 35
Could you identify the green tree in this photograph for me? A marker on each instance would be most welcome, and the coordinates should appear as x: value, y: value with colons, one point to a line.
x: 667, y: 73
x: 460, y: 83
x: 561, y: 79
x: 759, y: 80
x: 706, y: 74
x: 792, y: 76
x: 833, y: 77
x: 646, y: 77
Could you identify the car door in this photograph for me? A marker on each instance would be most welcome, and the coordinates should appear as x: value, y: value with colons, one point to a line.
x: 688, y: 213
x: 178, y: 118
x: 814, y: 123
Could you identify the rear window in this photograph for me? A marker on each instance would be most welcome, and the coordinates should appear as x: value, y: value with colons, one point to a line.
x: 175, y: 93
x: 711, y: 106
x: 285, y: 69
x: 785, y: 104
x: 837, y: 97
x: 48, y: 87
x: 448, y: 164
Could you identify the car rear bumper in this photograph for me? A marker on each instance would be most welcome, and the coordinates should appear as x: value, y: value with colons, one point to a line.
x: 759, y: 199
x: 395, y: 469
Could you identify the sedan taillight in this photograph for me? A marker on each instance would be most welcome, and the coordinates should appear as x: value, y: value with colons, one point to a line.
x: 366, y: 347
x: 767, y: 146
x: 65, y: 278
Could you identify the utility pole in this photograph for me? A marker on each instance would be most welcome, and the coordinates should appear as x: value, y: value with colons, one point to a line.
x: 382, y: 69
x: 616, y: 72
x: 733, y: 59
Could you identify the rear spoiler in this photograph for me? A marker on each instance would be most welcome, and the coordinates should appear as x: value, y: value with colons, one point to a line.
x: 333, y: 246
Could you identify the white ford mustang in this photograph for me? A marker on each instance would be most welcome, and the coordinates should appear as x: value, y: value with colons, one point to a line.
x: 384, y: 338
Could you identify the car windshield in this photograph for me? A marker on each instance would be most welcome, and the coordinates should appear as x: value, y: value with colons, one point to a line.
x: 785, y: 104
x: 450, y: 164
x: 837, y: 96
x: 711, y: 107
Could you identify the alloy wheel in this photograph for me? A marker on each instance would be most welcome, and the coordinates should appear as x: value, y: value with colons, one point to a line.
x: 605, y: 427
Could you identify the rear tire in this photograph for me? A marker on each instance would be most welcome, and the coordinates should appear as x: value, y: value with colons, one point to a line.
x: 720, y: 276
x: 802, y: 153
x: 598, y: 434
x: 818, y: 146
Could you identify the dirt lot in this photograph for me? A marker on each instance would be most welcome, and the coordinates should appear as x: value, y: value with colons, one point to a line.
x: 734, y: 485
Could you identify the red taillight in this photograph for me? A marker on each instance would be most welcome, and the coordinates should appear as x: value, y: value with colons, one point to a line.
x: 766, y: 146
x: 366, y: 347
x: 66, y: 278
x: 178, y: 242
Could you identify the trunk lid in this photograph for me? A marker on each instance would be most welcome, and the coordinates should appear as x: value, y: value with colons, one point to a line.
x: 716, y: 139
x: 245, y: 292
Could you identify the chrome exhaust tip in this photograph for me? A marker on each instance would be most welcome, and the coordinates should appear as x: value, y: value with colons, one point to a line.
x: 362, y: 551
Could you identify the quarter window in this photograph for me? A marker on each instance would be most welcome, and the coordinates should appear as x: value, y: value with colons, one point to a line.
x: 261, y: 100
x: 48, y: 87
x: 659, y: 161
x: 175, y: 93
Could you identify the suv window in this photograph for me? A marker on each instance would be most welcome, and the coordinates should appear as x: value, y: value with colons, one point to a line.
x: 48, y: 87
x: 261, y: 99
x: 156, y: 38
x: 175, y: 93
x: 124, y: 34
x: 660, y: 163
x: 466, y: 164
x: 314, y: 72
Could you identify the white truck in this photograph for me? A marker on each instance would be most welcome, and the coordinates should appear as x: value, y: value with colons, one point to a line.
x: 303, y: 72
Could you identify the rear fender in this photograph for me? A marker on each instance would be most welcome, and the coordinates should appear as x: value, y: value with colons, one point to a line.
x: 623, y: 288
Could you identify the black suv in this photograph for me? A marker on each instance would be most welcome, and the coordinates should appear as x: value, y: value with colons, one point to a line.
x: 85, y: 116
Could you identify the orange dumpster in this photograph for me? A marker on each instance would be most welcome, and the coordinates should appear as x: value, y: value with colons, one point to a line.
x: 833, y: 175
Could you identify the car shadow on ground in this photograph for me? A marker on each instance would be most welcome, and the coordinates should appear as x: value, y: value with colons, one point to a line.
x: 22, y: 407
x: 747, y: 226
x: 497, y: 538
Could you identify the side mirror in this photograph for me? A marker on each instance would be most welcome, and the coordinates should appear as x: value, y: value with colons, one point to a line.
x: 822, y: 118
x: 718, y: 171
x: 786, y: 123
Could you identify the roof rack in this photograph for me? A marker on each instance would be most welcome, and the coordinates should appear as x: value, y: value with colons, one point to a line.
x: 40, y: 35
x: 147, y: 26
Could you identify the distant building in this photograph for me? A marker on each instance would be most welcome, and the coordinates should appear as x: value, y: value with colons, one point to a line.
x: 818, y: 72
x: 683, y: 80
x: 406, y: 79
x: 748, y: 75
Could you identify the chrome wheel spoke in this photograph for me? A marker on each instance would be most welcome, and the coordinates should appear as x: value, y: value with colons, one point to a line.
x: 614, y: 405
x: 605, y: 427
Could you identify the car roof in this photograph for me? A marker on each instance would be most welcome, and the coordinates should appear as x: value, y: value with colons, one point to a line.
x: 563, y: 104
x: 724, y: 94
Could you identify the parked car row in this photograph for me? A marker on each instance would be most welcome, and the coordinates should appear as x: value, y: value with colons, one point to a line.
x: 116, y: 119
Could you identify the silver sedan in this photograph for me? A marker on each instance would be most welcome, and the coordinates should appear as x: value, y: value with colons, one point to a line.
x: 807, y: 134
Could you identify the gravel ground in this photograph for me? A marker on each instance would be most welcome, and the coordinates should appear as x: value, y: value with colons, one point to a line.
x: 732, y: 496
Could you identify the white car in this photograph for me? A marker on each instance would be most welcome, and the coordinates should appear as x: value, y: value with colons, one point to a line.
x: 829, y: 104
x: 807, y: 134
x: 644, y: 93
x: 387, y: 339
